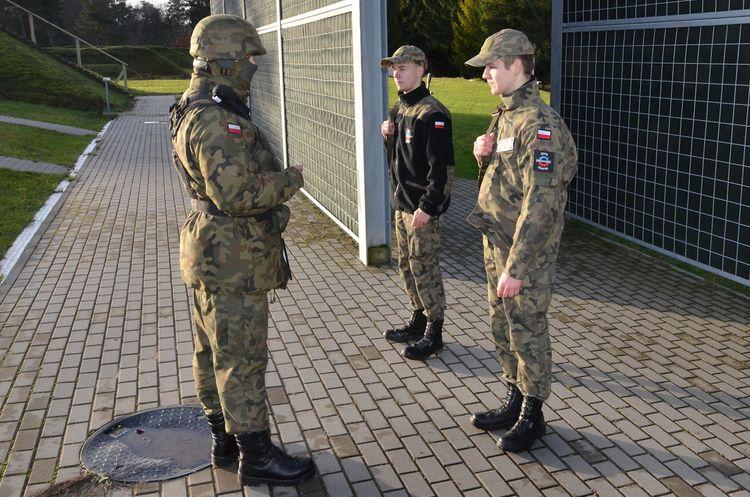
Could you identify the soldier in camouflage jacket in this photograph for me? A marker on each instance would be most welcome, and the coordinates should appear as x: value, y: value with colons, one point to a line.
x: 231, y: 250
x: 526, y: 161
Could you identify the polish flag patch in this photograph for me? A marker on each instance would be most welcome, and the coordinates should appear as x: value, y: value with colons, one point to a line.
x: 544, y: 134
x: 234, y: 129
x: 439, y: 124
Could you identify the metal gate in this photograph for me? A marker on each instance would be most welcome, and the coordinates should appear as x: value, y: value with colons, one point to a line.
x: 657, y: 94
x: 320, y: 96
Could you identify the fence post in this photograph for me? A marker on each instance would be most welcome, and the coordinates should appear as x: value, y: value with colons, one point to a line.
x: 32, y: 32
x: 78, y: 52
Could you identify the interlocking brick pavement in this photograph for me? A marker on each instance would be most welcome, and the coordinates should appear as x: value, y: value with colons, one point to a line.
x: 651, y: 391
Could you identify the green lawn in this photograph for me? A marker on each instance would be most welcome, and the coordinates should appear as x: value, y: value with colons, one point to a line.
x: 157, y: 86
x: 470, y: 103
x: 21, y: 197
x: 26, y: 142
x: 57, y: 115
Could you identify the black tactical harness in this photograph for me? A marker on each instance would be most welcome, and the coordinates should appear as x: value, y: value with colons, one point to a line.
x: 221, y: 96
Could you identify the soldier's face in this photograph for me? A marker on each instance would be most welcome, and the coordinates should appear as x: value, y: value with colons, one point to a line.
x: 500, y: 78
x: 407, y: 76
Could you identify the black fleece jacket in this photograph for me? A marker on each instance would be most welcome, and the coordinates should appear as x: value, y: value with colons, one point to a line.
x: 421, y: 161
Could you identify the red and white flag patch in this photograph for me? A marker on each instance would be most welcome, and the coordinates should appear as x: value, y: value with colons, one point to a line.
x: 440, y: 124
x: 234, y: 129
x: 544, y: 134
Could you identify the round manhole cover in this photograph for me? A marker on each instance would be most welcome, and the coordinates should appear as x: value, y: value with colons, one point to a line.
x: 153, y: 445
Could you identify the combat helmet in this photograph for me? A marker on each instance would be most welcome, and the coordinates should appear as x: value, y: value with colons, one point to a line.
x: 224, y: 36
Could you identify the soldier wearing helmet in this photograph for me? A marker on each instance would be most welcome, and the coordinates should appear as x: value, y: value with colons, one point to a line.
x: 526, y: 161
x: 231, y: 249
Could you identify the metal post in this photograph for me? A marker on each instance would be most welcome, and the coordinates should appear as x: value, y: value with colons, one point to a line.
x: 78, y: 53
x: 106, y: 94
x: 370, y: 106
x: 556, y: 54
x: 32, y: 31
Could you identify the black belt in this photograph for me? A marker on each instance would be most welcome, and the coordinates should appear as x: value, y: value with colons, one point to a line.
x: 207, y: 207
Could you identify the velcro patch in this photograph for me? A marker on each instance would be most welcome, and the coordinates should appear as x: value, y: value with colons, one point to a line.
x: 234, y: 129
x: 439, y: 124
x: 544, y: 162
x: 544, y: 134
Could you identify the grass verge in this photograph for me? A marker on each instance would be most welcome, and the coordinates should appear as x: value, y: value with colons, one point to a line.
x: 157, y: 86
x: 26, y: 142
x: 56, y: 115
x: 21, y: 197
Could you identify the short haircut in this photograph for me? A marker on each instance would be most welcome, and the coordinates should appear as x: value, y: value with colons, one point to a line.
x: 526, y: 60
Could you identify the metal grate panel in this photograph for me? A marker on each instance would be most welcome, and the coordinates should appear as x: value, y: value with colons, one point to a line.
x: 265, y: 99
x: 291, y: 8
x: 603, y: 10
x: 319, y: 88
x: 660, y: 117
x: 260, y: 12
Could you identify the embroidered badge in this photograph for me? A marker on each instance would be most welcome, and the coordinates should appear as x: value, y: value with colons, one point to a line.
x: 544, y: 162
x: 234, y: 129
x: 544, y: 134
x: 439, y: 124
x: 408, y: 136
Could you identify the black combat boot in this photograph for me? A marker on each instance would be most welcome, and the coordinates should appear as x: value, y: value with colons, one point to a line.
x: 504, y: 417
x: 262, y: 462
x: 529, y: 427
x: 412, y: 331
x: 223, y: 446
x: 431, y: 342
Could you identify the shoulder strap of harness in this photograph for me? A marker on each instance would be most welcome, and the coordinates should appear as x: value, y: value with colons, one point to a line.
x: 485, y: 162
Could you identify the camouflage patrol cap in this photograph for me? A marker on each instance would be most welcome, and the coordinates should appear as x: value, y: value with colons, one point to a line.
x: 403, y: 54
x: 501, y: 44
x: 224, y: 36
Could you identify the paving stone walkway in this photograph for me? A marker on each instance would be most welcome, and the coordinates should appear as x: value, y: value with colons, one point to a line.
x: 31, y: 166
x: 651, y: 394
x: 68, y: 130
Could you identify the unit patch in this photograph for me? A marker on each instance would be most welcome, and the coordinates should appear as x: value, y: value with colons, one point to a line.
x: 544, y: 162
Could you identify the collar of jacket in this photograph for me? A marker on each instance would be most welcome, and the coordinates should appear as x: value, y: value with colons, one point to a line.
x: 525, y: 93
x: 203, y: 82
x: 414, y: 96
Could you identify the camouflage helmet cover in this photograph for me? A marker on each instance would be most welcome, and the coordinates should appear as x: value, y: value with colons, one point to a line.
x: 224, y: 36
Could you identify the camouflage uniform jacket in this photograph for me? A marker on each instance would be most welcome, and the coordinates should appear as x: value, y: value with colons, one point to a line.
x: 522, y: 197
x: 230, y: 165
x: 421, y: 161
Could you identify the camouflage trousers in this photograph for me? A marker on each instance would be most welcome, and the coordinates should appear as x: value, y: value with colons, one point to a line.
x: 229, y: 364
x: 519, y: 325
x: 419, y: 265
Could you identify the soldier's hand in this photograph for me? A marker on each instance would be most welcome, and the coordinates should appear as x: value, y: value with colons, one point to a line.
x: 420, y: 219
x: 387, y: 129
x: 483, y: 146
x: 508, y: 287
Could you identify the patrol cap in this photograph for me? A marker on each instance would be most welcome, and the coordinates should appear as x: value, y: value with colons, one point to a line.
x: 501, y: 44
x: 403, y: 54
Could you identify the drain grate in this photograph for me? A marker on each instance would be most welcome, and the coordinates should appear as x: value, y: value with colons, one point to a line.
x: 153, y: 445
